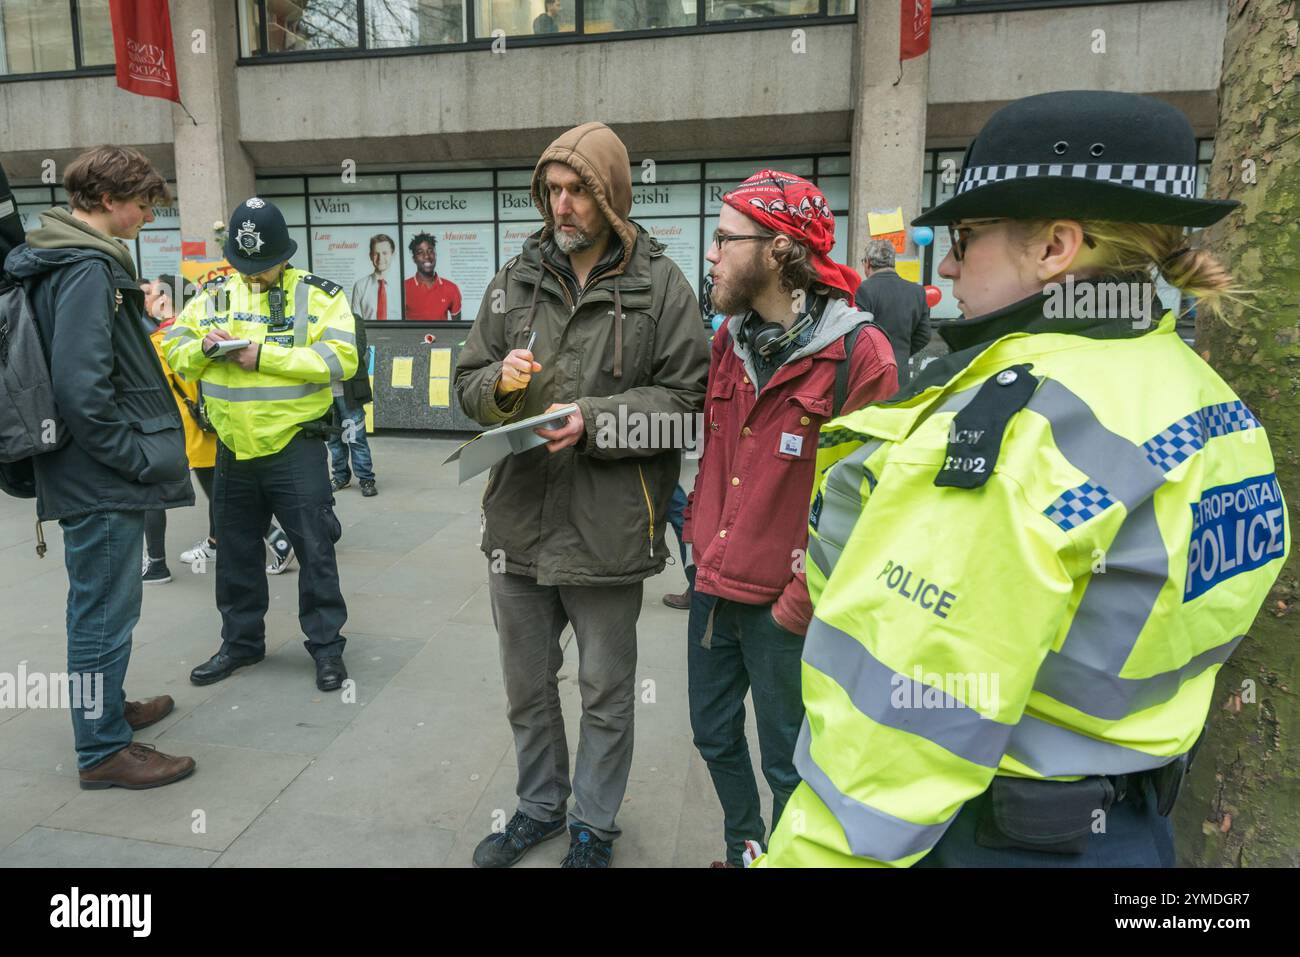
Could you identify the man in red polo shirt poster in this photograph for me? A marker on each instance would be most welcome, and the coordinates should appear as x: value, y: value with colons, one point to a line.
x: 428, y: 295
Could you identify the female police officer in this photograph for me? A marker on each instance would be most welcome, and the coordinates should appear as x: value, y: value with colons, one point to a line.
x: 1029, y: 566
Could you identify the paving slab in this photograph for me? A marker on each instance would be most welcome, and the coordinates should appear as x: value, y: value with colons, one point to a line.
x: 285, y: 838
x: 209, y: 809
x: 29, y: 797
x: 52, y: 847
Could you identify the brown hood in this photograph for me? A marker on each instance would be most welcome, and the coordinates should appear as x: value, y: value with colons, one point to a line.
x: 596, y: 154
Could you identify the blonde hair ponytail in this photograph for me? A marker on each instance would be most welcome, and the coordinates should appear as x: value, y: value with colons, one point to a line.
x: 1149, y: 248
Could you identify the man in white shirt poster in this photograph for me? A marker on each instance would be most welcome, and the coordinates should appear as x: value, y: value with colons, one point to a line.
x: 371, y: 294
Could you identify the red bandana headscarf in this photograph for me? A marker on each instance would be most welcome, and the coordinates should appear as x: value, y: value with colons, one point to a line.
x: 785, y: 203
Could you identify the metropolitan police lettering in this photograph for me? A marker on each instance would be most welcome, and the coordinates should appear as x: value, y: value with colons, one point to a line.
x: 1235, y: 528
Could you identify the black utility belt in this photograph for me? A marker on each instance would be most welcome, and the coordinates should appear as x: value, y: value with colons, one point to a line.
x: 1057, y: 817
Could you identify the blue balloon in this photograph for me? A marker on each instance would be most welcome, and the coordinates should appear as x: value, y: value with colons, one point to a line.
x: 922, y: 235
x: 718, y: 320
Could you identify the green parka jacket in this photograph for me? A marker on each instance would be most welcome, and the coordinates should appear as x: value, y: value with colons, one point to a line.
x: 629, y: 347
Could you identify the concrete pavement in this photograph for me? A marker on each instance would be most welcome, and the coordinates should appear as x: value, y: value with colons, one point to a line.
x: 414, y: 772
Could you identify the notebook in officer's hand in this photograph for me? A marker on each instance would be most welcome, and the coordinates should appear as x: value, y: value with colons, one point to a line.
x: 488, y: 448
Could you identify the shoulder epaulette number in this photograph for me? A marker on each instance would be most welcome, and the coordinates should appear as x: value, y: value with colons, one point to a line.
x: 975, y: 435
x: 330, y: 288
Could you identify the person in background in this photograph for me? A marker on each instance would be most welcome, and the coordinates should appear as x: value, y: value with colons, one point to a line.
x: 548, y: 21
x: 794, y: 353
x: 896, y: 305
x: 350, y: 397
x: 200, y: 445
x: 371, y: 299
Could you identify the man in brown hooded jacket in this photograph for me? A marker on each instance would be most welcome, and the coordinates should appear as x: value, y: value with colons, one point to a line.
x: 572, y: 529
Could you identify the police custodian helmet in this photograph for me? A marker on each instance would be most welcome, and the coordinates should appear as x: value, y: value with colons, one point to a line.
x: 257, y: 238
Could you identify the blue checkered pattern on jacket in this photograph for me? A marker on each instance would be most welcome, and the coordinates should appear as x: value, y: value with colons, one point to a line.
x: 1077, y: 505
x: 1176, y: 444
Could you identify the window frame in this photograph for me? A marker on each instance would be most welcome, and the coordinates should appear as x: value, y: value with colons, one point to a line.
x: 78, y: 58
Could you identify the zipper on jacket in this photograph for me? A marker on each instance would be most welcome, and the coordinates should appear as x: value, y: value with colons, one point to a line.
x: 650, y: 507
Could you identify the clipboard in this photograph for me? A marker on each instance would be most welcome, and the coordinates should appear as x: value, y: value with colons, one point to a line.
x: 488, y: 448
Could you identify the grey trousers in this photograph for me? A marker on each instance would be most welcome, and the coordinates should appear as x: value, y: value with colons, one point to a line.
x: 529, y: 619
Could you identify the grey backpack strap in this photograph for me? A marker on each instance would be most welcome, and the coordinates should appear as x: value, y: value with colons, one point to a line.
x: 842, y: 371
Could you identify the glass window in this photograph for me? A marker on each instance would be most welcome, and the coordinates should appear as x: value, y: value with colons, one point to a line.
x: 840, y: 8
x: 35, y: 37
x: 748, y: 9
x: 414, y: 23
x: 310, y: 24
x: 96, y: 32
x: 249, y: 13
x: 608, y: 16
x: 518, y: 18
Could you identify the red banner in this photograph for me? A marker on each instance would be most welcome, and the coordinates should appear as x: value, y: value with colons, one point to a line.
x: 142, y: 43
x: 914, y: 32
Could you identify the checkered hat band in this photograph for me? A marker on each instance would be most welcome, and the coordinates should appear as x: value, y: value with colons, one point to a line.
x: 1153, y: 177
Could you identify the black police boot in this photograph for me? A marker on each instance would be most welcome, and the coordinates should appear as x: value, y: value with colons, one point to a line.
x: 520, y: 835
x: 330, y: 673
x: 219, y: 667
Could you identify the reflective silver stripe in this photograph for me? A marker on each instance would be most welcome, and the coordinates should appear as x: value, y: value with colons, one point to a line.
x: 331, y: 360
x: 301, y: 296
x: 842, y: 503
x: 874, y: 688
x: 270, y: 393
x: 820, y: 556
x: 1117, y: 603
x: 870, y: 833
x: 340, y: 335
x: 180, y: 332
x: 1111, y: 697
x: 1054, y: 752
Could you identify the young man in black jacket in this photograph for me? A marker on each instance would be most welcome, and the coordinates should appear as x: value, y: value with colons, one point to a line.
x: 126, y: 453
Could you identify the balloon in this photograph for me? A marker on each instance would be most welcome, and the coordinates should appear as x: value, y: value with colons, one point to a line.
x: 932, y: 296
x: 922, y: 235
x: 718, y: 320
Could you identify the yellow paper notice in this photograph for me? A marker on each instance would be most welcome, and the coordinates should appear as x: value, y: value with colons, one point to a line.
x: 885, y: 221
x: 402, y: 372
x: 439, y: 363
x: 909, y: 269
x: 439, y: 392
x: 370, y: 417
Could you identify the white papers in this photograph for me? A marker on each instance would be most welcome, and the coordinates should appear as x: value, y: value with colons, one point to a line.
x: 488, y: 448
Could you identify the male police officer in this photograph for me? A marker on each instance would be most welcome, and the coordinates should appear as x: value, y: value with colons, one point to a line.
x: 270, y: 403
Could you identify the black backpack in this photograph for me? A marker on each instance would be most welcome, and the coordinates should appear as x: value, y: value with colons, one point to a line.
x: 29, y: 422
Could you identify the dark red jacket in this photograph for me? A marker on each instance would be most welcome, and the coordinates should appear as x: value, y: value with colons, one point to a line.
x: 747, y: 519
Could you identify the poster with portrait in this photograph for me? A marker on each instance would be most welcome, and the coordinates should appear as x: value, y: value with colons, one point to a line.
x: 511, y: 237
x: 357, y: 258
x: 454, y: 264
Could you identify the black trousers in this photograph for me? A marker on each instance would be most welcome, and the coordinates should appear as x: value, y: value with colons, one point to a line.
x: 293, y: 484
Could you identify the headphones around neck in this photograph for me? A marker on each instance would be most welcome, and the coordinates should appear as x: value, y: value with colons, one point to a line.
x: 769, y: 338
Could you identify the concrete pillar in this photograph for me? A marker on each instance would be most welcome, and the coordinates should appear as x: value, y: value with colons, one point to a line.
x: 213, y: 171
x: 888, y: 140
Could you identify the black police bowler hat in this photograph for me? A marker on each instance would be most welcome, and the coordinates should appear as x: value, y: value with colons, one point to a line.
x: 1082, y: 154
x: 257, y: 238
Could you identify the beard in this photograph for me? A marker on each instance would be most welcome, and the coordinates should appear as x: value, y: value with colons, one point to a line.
x: 576, y: 242
x: 737, y: 293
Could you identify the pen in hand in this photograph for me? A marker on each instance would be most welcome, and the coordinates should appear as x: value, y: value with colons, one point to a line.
x: 517, y: 369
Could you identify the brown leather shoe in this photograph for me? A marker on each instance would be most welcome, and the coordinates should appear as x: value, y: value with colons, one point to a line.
x: 141, y: 714
x: 681, y: 602
x: 136, y: 767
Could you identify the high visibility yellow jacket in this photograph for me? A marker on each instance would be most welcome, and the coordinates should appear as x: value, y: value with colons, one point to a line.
x: 200, y: 446
x: 1033, y: 562
x: 310, y: 343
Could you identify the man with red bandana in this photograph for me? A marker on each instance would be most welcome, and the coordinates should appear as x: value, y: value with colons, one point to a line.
x: 793, y: 353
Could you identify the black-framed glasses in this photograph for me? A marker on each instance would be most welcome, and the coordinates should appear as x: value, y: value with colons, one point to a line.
x: 721, y: 239
x: 959, y: 236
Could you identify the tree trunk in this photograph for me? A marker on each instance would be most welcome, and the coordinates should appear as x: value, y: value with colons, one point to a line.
x: 1241, y: 805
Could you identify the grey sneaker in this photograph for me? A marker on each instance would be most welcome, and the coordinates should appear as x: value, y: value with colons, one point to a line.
x: 520, y: 835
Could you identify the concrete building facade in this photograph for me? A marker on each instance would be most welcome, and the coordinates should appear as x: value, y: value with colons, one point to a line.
x: 397, y: 141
